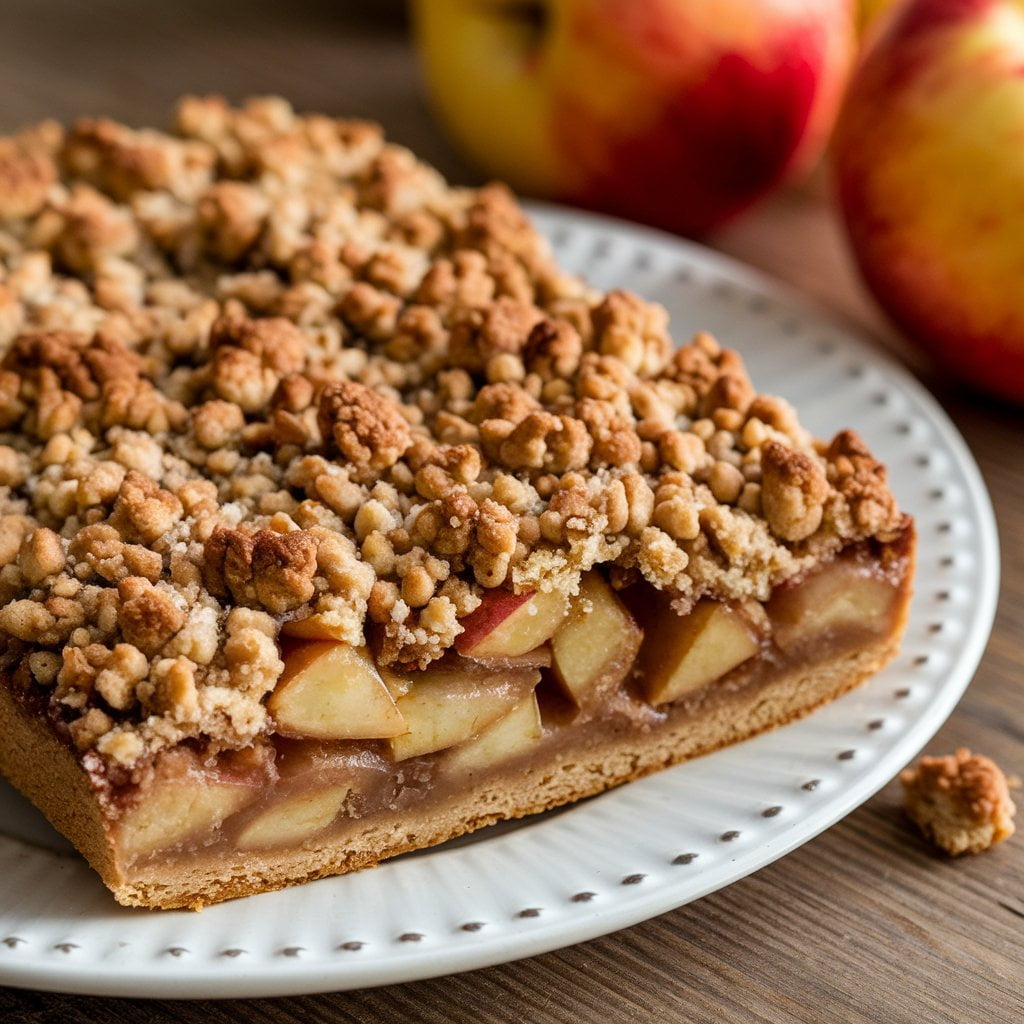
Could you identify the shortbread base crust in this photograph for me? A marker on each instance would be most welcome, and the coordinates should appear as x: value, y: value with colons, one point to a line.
x: 45, y: 770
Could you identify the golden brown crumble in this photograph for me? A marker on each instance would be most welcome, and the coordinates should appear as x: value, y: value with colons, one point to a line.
x: 27, y: 171
x: 270, y: 367
x: 367, y: 431
x: 793, y: 491
x: 961, y: 802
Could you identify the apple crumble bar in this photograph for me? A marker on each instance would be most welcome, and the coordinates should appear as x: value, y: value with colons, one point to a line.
x: 336, y: 520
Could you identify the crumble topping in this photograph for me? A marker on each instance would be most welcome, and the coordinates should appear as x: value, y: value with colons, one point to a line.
x: 363, y: 427
x: 270, y: 367
x: 961, y: 802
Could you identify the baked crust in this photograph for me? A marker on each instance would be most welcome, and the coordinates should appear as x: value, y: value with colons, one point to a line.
x: 50, y: 774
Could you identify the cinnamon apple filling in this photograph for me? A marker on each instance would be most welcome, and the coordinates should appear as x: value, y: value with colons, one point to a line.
x: 360, y: 746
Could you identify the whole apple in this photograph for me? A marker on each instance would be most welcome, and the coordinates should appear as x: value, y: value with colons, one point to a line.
x: 930, y: 169
x: 678, y: 113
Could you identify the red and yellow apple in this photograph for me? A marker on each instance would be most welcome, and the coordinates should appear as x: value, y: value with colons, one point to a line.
x: 930, y: 172
x: 678, y: 113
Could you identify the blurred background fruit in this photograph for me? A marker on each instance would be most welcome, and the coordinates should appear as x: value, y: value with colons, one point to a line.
x: 678, y: 113
x: 929, y: 157
x: 869, y: 11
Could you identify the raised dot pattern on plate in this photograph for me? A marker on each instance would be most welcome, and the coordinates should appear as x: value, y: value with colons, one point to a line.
x: 638, y: 850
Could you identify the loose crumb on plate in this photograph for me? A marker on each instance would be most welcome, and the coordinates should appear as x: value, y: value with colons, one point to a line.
x: 961, y: 802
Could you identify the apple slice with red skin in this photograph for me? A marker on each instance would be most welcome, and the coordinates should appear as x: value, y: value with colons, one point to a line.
x: 508, y: 625
x: 452, y: 701
x: 513, y: 734
x: 685, y: 653
x: 596, y: 645
x: 333, y: 691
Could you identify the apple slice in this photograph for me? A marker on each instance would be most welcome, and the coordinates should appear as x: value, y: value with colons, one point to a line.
x: 397, y: 681
x: 332, y: 691
x: 845, y: 595
x: 686, y: 653
x: 597, y: 643
x: 513, y: 734
x: 452, y: 702
x: 294, y: 820
x: 539, y: 657
x: 171, y: 812
x: 508, y: 625
x: 318, y: 626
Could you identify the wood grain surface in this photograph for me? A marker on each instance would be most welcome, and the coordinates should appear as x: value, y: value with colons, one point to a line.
x: 863, y: 924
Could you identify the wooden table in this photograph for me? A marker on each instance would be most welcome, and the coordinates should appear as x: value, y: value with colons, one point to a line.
x: 864, y: 924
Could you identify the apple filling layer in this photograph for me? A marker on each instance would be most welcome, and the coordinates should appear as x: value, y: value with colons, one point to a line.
x: 368, y: 761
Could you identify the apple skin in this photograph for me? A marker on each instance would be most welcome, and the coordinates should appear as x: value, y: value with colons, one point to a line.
x: 494, y: 609
x: 930, y: 173
x: 507, y: 625
x: 677, y: 113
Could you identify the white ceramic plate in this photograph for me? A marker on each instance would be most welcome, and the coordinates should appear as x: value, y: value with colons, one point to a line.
x: 517, y: 890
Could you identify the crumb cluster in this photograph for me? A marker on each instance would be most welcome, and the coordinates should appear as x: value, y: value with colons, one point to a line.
x: 961, y: 802
x: 270, y: 367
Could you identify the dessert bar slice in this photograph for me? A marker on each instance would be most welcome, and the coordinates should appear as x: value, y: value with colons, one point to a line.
x: 336, y: 520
